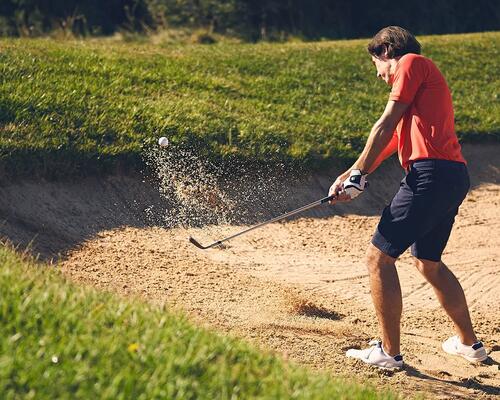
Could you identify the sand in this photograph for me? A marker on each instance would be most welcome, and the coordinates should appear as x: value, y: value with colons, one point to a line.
x: 298, y: 288
x: 301, y: 289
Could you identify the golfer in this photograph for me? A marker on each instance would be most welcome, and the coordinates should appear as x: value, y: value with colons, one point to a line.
x: 418, y: 123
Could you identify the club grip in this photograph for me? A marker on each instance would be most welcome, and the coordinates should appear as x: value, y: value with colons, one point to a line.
x: 329, y: 198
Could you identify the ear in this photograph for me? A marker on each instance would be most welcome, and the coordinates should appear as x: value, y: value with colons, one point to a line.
x: 386, y: 52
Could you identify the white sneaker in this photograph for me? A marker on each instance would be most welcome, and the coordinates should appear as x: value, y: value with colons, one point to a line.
x: 474, y: 353
x: 375, y: 355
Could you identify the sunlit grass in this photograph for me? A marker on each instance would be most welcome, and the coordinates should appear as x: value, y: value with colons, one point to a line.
x: 84, y: 106
x: 62, y: 341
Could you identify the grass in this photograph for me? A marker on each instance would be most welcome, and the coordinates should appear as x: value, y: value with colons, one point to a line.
x: 79, y: 107
x: 59, y: 340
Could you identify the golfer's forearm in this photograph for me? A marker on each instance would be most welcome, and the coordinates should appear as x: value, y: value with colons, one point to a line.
x: 388, y: 151
x: 380, y: 137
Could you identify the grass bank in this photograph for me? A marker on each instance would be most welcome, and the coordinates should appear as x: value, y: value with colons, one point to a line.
x: 59, y: 340
x: 79, y: 107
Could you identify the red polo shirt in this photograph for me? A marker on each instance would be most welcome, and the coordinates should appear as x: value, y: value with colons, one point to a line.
x: 427, y: 129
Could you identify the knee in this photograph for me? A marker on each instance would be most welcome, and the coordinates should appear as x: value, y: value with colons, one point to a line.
x: 376, y: 260
x: 429, y: 268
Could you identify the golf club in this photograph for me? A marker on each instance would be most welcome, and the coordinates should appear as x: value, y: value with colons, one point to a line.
x: 275, y: 219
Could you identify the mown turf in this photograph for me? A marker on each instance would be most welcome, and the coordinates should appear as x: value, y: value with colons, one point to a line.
x: 85, y: 106
x: 61, y: 341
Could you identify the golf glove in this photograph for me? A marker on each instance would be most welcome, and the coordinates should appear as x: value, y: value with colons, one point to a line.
x: 355, y: 184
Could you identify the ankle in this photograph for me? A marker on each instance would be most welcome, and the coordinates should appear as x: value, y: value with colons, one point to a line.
x: 468, y: 340
x: 391, y: 351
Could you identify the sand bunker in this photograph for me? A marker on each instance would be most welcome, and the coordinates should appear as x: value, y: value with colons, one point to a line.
x: 300, y: 288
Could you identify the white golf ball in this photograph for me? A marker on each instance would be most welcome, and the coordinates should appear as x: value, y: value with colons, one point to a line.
x: 163, y: 141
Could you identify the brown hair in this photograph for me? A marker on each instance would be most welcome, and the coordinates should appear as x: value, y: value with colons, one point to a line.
x: 398, y: 42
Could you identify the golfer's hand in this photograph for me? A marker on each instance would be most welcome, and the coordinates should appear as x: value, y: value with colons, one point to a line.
x: 348, y: 186
x: 337, y: 189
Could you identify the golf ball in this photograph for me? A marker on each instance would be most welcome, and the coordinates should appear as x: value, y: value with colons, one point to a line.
x: 163, y: 141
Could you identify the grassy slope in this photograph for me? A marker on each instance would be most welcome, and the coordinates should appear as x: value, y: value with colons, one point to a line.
x: 58, y: 340
x: 86, y: 104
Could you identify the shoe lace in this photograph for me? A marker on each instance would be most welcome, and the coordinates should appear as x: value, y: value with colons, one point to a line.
x: 375, y: 342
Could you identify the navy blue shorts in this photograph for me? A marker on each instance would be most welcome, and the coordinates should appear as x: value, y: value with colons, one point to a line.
x: 422, y: 212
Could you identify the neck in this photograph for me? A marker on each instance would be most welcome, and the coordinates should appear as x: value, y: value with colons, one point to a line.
x: 393, y: 63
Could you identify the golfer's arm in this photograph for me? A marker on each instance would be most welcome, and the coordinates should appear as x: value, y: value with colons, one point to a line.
x: 380, y: 137
x: 388, y: 151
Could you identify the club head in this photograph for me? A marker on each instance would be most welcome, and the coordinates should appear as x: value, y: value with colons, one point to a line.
x: 200, y: 246
x: 196, y: 243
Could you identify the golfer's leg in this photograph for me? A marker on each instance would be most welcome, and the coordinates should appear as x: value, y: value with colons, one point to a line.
x: 451, y: 296
x: 386, y: 296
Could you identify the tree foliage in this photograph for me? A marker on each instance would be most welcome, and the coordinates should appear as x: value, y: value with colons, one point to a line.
x: 249, y: 19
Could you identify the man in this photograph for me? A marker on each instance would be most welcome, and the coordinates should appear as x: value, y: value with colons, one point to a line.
x: 418, y: 123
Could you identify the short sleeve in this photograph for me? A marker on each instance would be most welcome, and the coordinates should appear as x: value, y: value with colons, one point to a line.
x: 408, y: 77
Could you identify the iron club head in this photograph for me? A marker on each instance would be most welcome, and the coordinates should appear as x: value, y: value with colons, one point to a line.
x: 196, y: 243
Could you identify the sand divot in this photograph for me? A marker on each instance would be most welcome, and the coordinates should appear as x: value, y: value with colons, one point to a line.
x: 301, y: 305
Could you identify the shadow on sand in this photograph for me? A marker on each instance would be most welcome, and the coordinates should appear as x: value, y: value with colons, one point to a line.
x: 469, y: 383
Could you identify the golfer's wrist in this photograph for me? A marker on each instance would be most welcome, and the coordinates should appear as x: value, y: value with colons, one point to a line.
x: 349, y: 172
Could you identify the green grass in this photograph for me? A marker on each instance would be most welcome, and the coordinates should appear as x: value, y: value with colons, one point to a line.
x: 78, y: 107
x: 59, y: 340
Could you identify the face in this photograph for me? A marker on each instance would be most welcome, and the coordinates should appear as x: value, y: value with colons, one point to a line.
x: 384, y: 68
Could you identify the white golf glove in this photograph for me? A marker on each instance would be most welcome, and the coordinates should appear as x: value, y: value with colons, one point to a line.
x: 354, y: 185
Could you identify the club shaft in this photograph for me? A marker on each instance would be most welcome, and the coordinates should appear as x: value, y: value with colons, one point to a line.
x: 275, y: 219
